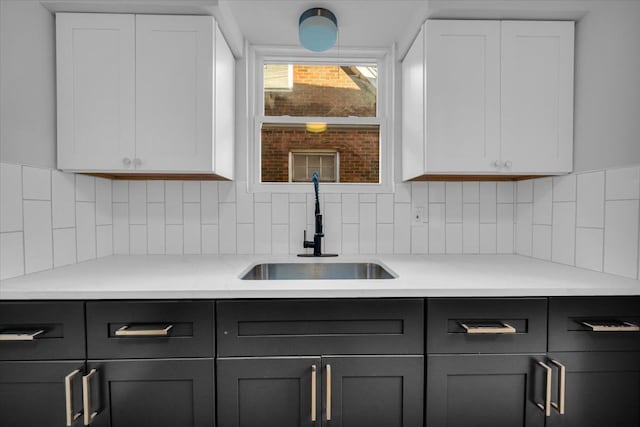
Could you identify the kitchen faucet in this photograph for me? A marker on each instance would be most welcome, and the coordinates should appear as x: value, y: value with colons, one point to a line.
x: 316, y: 243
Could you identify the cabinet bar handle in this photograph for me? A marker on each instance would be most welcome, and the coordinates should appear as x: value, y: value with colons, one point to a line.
x: 328, y: 392
x: 561, y: 387
x: 126, y: 332
x: 500, y: 328
x: 546, y: 408
x: 21, y: 336
x: 86, y: 398
x: 622, y: 327
x: 313, y: 392
x: 68, y: 395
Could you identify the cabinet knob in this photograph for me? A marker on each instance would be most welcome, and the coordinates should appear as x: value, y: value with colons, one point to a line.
x: 508, y: 164
x: 126, y: 161
x: 137, y: 162
x: 498, y: 164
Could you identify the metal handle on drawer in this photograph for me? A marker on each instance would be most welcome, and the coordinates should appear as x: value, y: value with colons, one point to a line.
x: 68, y: 394
x: 546, y: 408
x: 314, y: 376
x: 328, y: 392
x: 561, y: 387
x: 504, y: 328
x: 86, y: 397
x: 624, y: 327
x: 21, y: 337
x: 126, y: 332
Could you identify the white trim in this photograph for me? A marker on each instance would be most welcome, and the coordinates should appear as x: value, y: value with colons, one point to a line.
x: 385, y: 60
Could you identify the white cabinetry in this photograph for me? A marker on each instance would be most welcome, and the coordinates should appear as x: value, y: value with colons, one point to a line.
x: 488, y: 98
x: 144, y: 94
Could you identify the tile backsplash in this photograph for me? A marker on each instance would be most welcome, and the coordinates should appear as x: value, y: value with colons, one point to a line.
x: 50, y: 219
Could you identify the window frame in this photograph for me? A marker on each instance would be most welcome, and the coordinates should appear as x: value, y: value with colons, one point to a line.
x: 315, y: 152
x: 384, y: 60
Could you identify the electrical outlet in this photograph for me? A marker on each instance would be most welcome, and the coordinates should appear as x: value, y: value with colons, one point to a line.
x: 418, y: 214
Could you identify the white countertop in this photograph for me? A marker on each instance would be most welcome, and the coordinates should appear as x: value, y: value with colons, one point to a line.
x: 202, y: 276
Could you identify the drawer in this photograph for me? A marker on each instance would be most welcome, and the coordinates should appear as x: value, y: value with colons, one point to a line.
x: 569, y: 320
x: 41, y: 330
x: 317, y: 327
x: 486, y: 325
x: 149, y: 329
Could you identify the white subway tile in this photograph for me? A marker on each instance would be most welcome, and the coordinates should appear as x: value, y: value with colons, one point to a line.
x: 488, y: 238
x: 104, y: 208
x: 590, y: 203
x: 244, y: 204
x: 155, y: 191
x: 524, y: 222
x: 279, y: 208
x: 120, y: 191
x: 621, y: 238
x: 384, y: 209
x: 454, y: 238
x: 384, y: 239
x: 623, y: 183
x: 420, y: 198
x: 330, y: 197
x: 11, y: 255
x: 173, y: 202
x: 454, y: 202
x: 542, y: 242
x: 137, y: 202
x: 402, y: 193
x: 210, y: 239
x: 293, y: 198
x: 279, y: 239
x: 505, y: 192
x: 262, y: 230
x: 350, y: 209
x: 542, y: 201
x: 85, y: 188
x: 564, y: 188
x: 488, y: 202
x: 64, y: 247
x: 104, y: 240
x: 367, y: 198
x: 174, y: 235
x: 156, y: 228
x: 86, y: 230
x: 138, y: 239
x: 367, y: 233
x: 226, y: 192
x: 589, y: 248
x: 38, y: 243
x: 437, y: 239
x: 524, y: 191
x: 192, y: 231
x: 436, y: 192
x: 121, y: 228
x: 563, y: 240
x: 471, y: 192
x: 350, y: 239
x: 266, y: 197
x: 10, y: 198
x: 471, y: 228
x: 209, y: 202
x: 505, y: 229
x: 191, y: 191
x: 227, y: 229
x: 63, y: 200
x: 245, y: 239
x: 298, y: 223
x: 420, y: 239
x: 36, y: 183
x: 402, y: 228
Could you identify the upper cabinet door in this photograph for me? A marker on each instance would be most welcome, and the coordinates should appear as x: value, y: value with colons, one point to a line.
x: 174, y: 109
x: 96, y: 91
x: 537, y: 96
x: 463, y: 96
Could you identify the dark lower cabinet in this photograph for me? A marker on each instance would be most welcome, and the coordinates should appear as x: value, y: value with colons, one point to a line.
x: 33, y: 393
x: 152, y: 393
x: 329, y: 391
x: 485, y: 390
x: 602, y: 389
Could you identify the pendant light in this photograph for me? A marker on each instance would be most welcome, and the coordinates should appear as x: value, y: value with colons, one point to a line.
x: 317, y: 29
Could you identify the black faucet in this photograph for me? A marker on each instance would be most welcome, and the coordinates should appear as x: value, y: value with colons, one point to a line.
x: 316, y: 243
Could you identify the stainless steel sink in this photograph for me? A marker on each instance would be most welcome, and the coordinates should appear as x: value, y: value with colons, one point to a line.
x: 317, y: 271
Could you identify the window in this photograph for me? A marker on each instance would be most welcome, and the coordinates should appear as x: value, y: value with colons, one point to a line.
x: 306, y: 106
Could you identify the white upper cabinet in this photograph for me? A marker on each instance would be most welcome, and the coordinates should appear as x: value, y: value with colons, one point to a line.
x: 488, y: 98
x: 180, y: 98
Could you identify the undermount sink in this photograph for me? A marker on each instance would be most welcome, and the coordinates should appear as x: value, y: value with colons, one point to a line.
x: 317, y: 271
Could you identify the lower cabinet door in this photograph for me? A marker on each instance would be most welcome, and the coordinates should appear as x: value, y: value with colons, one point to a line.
x: 376, y: 391
x: 151, y: 393
x: 269, y: 392
x: 602, y: 389
x: 485, y: 390
x: 35, y: 393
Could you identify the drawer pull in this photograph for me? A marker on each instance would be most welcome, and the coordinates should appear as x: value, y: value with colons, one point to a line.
x: 561, y: 387
x: 20, y: 336
x: 126, y: 331
x: 68, y: 394
x: 612, y: 327
x: 86, y: 397
x: 546, y: 407
x: 498, y: 328
x: 314, y: 376
x: 328, y: 392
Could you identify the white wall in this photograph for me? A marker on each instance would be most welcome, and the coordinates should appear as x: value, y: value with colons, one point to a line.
x: 27, y: 84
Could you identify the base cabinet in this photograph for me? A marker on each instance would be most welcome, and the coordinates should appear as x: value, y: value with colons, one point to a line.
x: 321, y: 391
x: 484, y: 390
